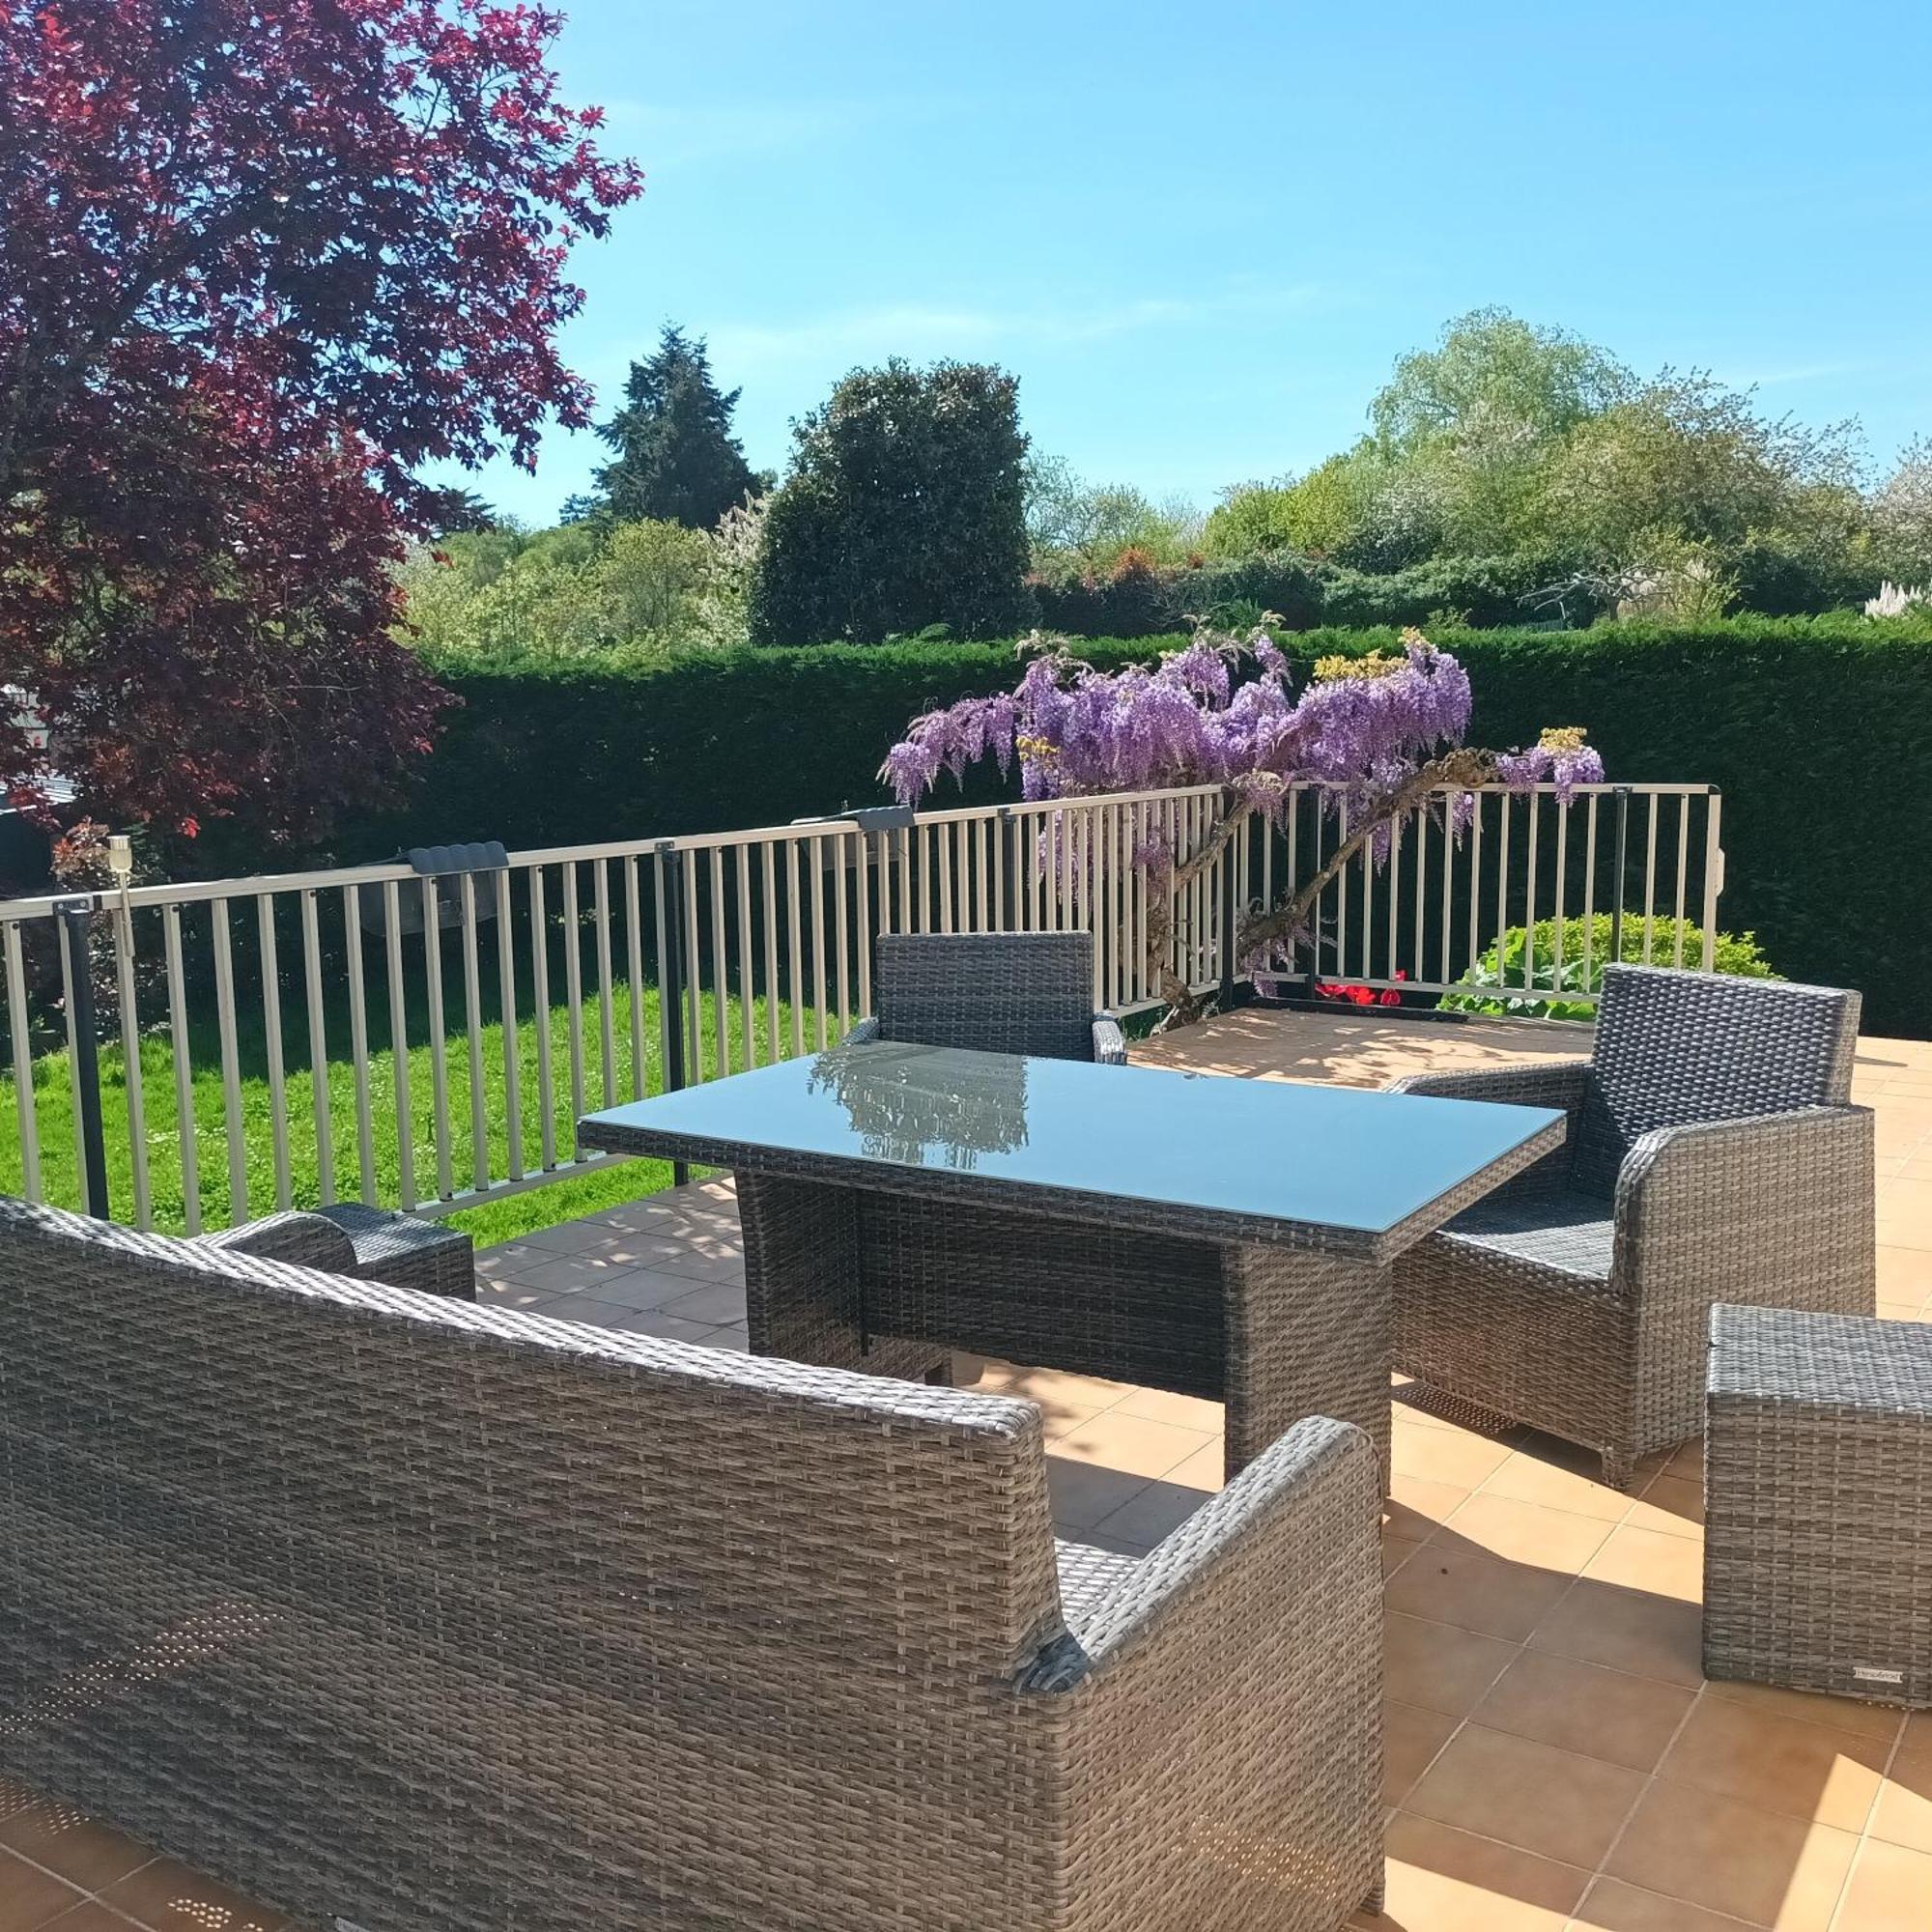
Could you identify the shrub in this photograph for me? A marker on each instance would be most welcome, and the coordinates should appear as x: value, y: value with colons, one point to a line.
x: 905, y: 507
x: 1502, y: 965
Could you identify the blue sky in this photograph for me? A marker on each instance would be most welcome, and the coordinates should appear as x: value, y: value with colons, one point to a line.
x: 1201, y: 234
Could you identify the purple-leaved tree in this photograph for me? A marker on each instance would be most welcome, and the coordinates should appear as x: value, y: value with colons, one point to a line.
x: 1381, y: 735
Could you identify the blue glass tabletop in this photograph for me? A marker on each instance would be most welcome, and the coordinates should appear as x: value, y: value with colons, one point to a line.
x: 1262, y: 1150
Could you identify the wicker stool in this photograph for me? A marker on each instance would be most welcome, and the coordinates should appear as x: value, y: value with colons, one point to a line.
x: 1818, y: 1479
x: 406, y: 1252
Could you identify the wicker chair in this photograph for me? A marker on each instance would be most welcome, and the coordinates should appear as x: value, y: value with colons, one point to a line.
x: 409, y: 1612
x: 1712, y: 1157
x: 1001, y: 992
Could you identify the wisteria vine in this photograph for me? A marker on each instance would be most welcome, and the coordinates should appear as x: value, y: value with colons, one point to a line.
x: 1382, y: 735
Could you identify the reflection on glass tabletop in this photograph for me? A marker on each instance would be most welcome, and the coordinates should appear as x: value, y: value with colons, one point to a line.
x: 1282, y: 1151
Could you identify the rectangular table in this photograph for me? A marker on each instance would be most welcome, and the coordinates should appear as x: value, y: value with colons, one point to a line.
x: 1221, y: 1237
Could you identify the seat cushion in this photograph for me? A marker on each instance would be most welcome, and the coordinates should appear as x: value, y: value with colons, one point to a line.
x: 1561, y: 1229
x: 1088, y: 1577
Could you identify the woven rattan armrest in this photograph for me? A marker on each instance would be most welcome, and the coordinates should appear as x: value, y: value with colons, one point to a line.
x: 1110, y: 1043
x: 1548, y: 1083
x: 306, y: 1239
x: 1781, y: 1166
x: 1315, y: 1491
x: 863, y: 1033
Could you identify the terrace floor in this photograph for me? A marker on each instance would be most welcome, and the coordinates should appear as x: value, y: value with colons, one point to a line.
x: 1556, y: 1758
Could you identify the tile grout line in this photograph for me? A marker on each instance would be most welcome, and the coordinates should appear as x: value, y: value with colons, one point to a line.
x: 1864, y: 1835
x: 84, y: 1896
x: 1650, y: 1782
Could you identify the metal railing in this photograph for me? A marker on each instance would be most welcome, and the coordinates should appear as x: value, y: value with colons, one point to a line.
x: 427, y: 1041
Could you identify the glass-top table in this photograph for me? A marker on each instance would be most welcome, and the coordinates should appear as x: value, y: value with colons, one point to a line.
x: 1220, y: 1237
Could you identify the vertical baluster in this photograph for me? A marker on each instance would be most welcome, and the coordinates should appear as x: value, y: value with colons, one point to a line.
x: 358, y: 1042
x: 398, y: 1042
x: 693, y: 992
x: 634, y: 967
x: 439, y: 1052
x: 863, y: 928
x: 272, y: 1035
x: 842, y: 846
x: 472, y: 1027
x: 747, y: 1031
x: 541, y: 1018
x: 130, y: 1058
x: 721, y: 996
x: 769, y: 874
x: 1479, y: 799
x: 231, y: 1073
x: 1683, y: 872
x: 814, y: 849
x: 1561, y: 888
x: 794, y: 919
x: 1589, y: 891
x: 1650, y: 877
x: 572, y: 987
x: 507, y: 1000
x: 320, y: 1110
x: 24, y: 1110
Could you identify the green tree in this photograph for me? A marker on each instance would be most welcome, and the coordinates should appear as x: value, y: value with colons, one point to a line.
x: 905, y: 507
x: 674, y: 458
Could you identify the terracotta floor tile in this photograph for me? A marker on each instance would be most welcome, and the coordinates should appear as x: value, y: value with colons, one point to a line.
x: 1756, y: 1865
x: 1612, y: 1906
x: 1531, y: 1478
x: 1553, y: 1803
x: 1581, y: 1707
x: 1838, y: 1714
x: 29, y: 1897
x: 1918, y: 1733
x: 708, y: 1301
x: 1626, y: 1629
x: 1450, y: 1456
x: 1777, y: 1764
x: 1084, y: 1494
x: 1184, y: 1411
x: 1440, y: 1668
x: 1155, y: 1512
x: 1413, y: 1736
x: 1445, y: 1880
x: 1416, y: 1506
x: 1396, y: 1552
x: 1450, y: 1583
x: 1904, y: 1813
x: 167, y: 1897
x: 90, y: 1916
x: 1672, y: 1504
x: 1130, y: 1444
x: 56, y: 1836
x: 1520, y: 1532
x: 1890, y: 1891
x: 1649, y: 1561
x: 1904, y: 1271
x: 1206, y: 1471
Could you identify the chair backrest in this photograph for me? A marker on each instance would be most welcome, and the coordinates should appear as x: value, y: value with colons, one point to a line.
x: 998, y: 992
x: 1675, y: 1047
x: 379, y: 1604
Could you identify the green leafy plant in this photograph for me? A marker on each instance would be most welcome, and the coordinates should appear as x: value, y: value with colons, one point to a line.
x: 1527, y: 955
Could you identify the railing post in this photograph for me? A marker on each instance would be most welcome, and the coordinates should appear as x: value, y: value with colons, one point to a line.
x: 1225, y: 868
x: 76, y: 918
x: 1714, y: 873
x: 670, y: 980
x: 1008, y: 866
x: 1623, y: 847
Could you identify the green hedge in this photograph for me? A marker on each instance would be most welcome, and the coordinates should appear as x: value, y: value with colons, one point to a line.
x: 1819, y: 731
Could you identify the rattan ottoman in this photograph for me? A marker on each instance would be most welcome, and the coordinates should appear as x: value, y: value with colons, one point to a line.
x: 406, y: 1252
x: 1818, y: 1473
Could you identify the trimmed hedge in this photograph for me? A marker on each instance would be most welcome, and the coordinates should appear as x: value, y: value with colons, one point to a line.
x: 1818, y: 731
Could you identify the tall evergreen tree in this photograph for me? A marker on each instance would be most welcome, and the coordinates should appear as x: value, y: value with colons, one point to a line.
x: 675, y: 457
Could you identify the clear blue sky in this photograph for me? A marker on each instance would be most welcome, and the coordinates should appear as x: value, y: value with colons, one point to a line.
x: 1200, y: 234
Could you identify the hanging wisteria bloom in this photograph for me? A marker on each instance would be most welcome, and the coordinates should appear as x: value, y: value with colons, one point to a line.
x: 1382, y: 735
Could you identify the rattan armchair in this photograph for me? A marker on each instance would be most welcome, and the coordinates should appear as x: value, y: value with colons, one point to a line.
x: 998, y: 992
x: 403, y: 1611
x: 368, y: 1243
x: 1712, y: 1157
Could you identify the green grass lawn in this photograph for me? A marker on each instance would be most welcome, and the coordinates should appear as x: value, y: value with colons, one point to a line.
x: 498, y: 1220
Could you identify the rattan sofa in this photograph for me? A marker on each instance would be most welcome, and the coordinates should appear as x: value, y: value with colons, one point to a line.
x: 417, y: 1614
x: 1712, y: 1157
x: 998, y: 993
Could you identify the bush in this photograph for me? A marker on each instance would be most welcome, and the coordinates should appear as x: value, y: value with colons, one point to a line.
x: 1502, y: 965
x: 905, y: 507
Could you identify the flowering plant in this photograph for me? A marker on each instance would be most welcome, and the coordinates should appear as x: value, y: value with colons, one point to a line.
x: 1381, y: 735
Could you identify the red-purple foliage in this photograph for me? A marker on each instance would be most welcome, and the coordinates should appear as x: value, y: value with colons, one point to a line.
x: 259, y: 260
